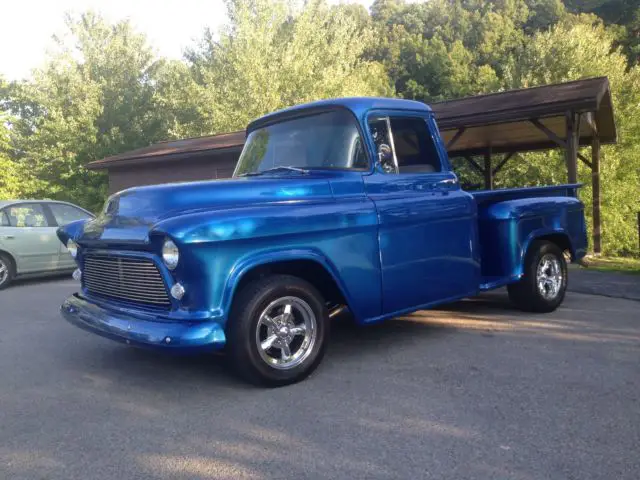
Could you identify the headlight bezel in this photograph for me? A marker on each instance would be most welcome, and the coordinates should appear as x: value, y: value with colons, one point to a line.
x: 170, y: 254
x: 73, y: 248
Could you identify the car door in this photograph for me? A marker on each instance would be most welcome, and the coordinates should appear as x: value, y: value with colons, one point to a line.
x: 31, y: 238
x: 427, y: 225
x: 64, y: 213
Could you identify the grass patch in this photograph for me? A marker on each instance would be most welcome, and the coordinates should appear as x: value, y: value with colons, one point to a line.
x: 614, y: 264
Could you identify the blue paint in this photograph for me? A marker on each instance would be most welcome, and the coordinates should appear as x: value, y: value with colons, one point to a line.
x: 142, y: 331
x: 393, y: 243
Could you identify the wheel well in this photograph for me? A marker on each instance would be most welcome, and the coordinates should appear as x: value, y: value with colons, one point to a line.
x: 309, y: 270
x: 561, y: 240
x: 11, y: 259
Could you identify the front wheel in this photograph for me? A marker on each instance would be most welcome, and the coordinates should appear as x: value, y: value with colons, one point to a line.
x: 277, y: 331
x: 544, y: 283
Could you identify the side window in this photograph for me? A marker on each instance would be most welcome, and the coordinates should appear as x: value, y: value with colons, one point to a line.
x: 358, y: 155
x: 404, y: 145
x: 4, y: 219
x: 27, y: 215
x: 414, y: 147
x: 379, y: 128
x: 66, y: 213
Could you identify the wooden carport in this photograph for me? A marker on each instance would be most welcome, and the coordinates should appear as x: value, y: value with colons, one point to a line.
x: 567, y: 115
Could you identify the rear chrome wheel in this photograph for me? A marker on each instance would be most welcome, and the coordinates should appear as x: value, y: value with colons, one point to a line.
x: 277, y: 331
x: 544, y: 283
x: 549, y: 276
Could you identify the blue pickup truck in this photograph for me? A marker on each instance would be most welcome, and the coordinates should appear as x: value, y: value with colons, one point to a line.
x: 347, y: 204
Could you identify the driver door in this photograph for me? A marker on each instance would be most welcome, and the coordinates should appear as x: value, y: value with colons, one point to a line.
x: 427, y: 225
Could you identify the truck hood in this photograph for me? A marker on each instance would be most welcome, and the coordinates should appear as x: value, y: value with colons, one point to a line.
x: 130, y: 215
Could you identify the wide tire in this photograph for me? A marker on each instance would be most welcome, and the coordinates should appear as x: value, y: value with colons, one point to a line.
x: 544, y: 283
x: 282, y: 311
x: 7, y: 271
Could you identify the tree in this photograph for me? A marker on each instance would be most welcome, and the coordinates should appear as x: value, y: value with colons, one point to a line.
x: 580, y: 47
x: 625, y: 14
x: 544, y: 14
x: 274, y: 54
x: 445, y: 49
x: 94, y: 97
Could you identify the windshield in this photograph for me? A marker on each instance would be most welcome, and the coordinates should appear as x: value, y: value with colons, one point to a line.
x: 325, y: 140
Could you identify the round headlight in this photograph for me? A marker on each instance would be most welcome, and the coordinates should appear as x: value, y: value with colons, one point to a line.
x: 73, y: 248
x: 170, y: 254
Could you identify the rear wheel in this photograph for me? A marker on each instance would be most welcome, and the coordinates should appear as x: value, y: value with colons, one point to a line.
x: 277, y: 331
x: 7, y: 271
x: 544, y: 283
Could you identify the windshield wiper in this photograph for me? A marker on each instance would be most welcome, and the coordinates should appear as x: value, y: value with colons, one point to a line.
x: 275, y: 169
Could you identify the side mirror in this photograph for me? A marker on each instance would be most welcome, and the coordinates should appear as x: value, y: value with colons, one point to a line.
x: 385, y: 158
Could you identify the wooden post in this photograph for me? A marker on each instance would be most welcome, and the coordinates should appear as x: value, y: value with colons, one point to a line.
x: 571, y: 151
x: 488, y: 171
x: 595, y: 185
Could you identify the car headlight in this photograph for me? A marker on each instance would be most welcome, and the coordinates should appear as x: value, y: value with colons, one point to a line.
x: 170, y: 254
x: 73, y: 248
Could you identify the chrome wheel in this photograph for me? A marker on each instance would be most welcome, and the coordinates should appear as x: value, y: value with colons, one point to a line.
x: 4, y: 271
x: 549, y: 276
x: 286, y: 333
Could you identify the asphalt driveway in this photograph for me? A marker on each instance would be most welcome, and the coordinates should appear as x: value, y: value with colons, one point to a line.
x: 474, y: 390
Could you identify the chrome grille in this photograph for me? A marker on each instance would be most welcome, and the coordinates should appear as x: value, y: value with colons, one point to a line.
x: 134, y: 280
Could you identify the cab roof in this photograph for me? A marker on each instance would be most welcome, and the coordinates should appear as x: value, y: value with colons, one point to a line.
x: 358, y: 105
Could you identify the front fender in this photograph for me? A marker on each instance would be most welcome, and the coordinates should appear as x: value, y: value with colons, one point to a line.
x: 248, y: 263
x: 71, y: 231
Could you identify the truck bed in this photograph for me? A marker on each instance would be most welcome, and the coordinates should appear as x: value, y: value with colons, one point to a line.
x: 509, y: 219
x: 484, y: 197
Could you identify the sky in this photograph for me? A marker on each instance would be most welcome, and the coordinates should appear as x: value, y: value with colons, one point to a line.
x: 170, y: 25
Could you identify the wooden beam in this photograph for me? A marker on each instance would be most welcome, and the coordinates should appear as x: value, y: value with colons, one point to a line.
x: 591, y: 121
x: 456, y: 137
x: 585, y: 160
x: 595, y: 186
x: 474, y: 164
x: 571, y: 149
x: 552, y: 136
x: 488, y: 171
x: 506, y: 158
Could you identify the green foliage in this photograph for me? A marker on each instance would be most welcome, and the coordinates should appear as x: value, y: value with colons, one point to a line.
x: 277, y: 53
x: 622, y: 13
x: 93, y: 98
x: 103, y: 91
x: 577, y: 48
x: 445, y: 49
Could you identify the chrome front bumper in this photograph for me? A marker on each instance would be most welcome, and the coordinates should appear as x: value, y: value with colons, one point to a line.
x: 144, y: 331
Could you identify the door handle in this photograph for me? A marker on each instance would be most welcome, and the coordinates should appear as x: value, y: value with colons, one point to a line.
x: 446, y: 181
x: 7, y: 237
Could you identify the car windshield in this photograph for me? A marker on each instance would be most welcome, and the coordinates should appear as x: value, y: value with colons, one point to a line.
x: 322, y: 141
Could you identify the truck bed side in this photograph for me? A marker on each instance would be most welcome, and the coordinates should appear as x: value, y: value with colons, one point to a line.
x: 509, y: 220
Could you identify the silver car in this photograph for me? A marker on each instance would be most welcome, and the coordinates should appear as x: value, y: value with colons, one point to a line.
x: 28, y: 242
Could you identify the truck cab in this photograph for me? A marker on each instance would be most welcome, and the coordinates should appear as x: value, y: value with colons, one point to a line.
x: 338, y: 205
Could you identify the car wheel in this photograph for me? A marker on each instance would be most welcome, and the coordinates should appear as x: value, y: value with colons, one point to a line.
x: 7, y: 271
x: 277, y: 331
x: 544, y: 283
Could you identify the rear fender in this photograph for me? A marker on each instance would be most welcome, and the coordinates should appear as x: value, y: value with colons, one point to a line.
x: 542, y: 234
